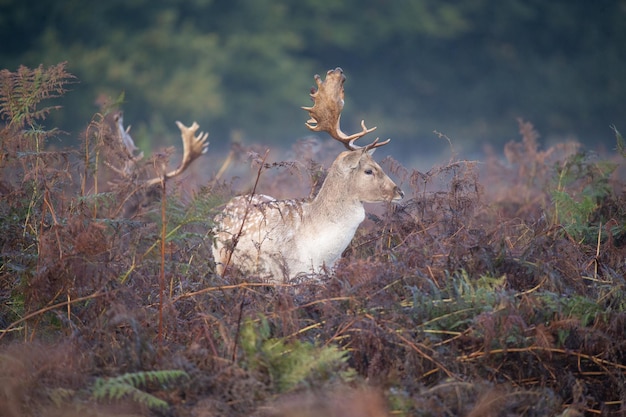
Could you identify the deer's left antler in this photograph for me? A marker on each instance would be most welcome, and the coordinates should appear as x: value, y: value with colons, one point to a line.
x: 325, y: 114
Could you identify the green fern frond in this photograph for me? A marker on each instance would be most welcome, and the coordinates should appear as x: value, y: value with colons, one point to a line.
x: 297, y: 362
x: 455, y: 307
x: 127, y: 385
x: 290, y: 363
x: 580, y: 184
x: 576, y: 306
x: 119, y: 390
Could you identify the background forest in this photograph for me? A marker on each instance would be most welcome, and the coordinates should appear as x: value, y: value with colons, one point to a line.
x: 468, y: 69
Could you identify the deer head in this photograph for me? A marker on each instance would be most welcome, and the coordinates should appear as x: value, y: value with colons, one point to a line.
x: 365, y: 178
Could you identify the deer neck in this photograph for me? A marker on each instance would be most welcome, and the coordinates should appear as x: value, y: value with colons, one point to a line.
x: 336, y: 204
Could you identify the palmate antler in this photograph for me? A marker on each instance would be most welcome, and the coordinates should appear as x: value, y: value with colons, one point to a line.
x: 193, y: 147
x: 325, y: 114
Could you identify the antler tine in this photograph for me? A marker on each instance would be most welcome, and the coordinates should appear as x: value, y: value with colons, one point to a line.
x: 325, y: 114
x: 376, y: 144
x: 125, y: 138
x: 193, y: 147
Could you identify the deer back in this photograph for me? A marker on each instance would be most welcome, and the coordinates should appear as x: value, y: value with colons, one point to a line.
x: 253, y: 234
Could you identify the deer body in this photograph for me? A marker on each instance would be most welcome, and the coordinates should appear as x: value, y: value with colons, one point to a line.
x: 283, y: 239
x: 279, y: 240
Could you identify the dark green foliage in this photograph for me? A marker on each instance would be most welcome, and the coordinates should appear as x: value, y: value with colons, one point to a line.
x: 466, y: 68
x: 581, y: 184
x: 292, y: 363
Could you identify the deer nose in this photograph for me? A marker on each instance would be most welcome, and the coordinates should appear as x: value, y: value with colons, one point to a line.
x: 399, y: 192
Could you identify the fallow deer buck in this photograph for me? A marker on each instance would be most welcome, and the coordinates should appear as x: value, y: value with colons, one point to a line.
x: 281, y: 240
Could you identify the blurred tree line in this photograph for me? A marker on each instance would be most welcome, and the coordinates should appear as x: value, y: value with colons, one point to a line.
x: 243, y: 68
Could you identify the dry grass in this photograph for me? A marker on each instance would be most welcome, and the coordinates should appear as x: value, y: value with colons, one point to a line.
x: 474, y: 297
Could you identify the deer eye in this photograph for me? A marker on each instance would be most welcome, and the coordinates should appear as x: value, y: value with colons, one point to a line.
x: 369, y: 172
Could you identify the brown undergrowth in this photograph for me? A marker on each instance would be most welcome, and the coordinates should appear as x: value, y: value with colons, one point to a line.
x: 495, y: 288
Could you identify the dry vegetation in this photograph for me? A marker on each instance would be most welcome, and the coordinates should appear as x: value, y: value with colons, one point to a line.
x: 494, y: 295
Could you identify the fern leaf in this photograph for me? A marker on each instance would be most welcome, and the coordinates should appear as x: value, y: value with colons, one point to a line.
x: 127, y: 385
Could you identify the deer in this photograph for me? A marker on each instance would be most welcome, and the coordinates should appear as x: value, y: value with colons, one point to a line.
x: 285, y: 240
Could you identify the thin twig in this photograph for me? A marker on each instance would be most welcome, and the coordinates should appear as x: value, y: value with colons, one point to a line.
x: 29, y: 316
x: 245, y: 215
x: 241, y: 305
x: 162, y: 266
x: 597, y: 361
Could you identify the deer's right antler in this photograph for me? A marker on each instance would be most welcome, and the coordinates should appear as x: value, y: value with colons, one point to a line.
x: 325, y: 114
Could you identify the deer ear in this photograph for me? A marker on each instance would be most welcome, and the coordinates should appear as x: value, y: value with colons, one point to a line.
x: 350, y: 160
x: 359, y: 155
